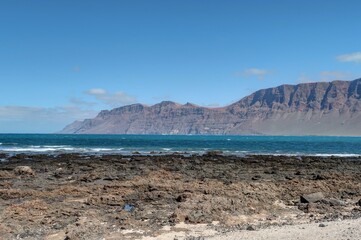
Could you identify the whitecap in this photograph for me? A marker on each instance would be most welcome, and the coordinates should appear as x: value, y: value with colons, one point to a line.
x: 337, y: 155
x: 101, y: 149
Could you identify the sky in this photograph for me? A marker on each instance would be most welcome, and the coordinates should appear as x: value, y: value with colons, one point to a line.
x: 62, y: 61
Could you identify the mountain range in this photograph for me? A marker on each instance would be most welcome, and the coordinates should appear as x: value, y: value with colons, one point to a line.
x: 320, y: 108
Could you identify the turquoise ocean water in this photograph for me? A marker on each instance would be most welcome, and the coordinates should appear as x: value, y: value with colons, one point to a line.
x: 126, y: 144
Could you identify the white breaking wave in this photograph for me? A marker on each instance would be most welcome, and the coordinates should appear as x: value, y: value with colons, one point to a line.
x: 341, y: 155
x: 101, y: 149
x: 337, y: 155
x: 30, y: 149
x: 49, y: 149
x: 44, y: 149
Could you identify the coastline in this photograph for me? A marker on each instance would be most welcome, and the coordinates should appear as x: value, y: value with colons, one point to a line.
x: 144, y: 197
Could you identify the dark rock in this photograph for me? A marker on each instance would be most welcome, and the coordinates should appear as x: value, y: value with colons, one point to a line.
x: 322, y: 225
x: 182, y: 197
x: 251, y: 228
x: 319, y: 177
x: 257, y: 177
x: 214, y: 153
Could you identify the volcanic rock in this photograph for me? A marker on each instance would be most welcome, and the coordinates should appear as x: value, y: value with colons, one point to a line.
x: 24, y: 170
x: 320, y: 108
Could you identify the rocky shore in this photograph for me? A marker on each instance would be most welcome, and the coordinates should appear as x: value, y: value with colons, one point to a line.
x: 72, y: 196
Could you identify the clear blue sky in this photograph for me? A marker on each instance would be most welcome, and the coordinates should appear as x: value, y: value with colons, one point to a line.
x: 66, y: 60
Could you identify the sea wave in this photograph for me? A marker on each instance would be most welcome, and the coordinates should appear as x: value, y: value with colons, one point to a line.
x: 8, y: 144
x: 56, y: 149
x: 341, y: 155
x: 337, y: 155
x: 166, y: 149
x: 60, y: 148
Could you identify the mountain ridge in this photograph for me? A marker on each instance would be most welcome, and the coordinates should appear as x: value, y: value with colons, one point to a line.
x: 318, y: 108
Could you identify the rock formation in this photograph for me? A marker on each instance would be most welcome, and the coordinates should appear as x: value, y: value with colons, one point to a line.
x: 321, y: 108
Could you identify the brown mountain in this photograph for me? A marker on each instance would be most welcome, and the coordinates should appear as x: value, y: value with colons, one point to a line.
x: 321, y: 108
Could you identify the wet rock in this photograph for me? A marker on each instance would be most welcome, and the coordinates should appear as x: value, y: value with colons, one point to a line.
x: 214, y: 153
x: 311, y: 198
x: 24, y: 170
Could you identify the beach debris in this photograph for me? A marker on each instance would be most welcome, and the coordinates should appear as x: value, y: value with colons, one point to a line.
x: 128, y: 207
x: 24, y: 170
x: 311, y: 198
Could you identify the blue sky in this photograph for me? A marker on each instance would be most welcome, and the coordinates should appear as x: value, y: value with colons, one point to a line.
x: 66, y: 60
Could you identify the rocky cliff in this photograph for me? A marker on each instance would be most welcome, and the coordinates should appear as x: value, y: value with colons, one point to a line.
x: 321, y: 108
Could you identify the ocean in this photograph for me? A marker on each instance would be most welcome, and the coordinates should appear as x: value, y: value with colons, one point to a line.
x: 164, y: 144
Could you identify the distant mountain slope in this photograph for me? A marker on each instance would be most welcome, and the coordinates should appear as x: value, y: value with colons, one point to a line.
x: 321, y: 108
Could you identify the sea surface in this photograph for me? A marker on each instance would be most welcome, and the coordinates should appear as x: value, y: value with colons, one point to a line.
x: 163, y: 144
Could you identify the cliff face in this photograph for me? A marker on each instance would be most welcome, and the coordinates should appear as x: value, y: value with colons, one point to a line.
x: 323, y: 108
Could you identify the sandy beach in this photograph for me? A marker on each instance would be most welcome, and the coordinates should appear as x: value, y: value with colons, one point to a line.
x: 179, y: 196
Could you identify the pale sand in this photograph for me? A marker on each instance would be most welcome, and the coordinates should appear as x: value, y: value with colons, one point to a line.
x: 338, y: 230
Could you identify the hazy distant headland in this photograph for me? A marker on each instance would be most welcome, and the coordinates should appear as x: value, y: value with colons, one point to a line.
x: 320, y: 108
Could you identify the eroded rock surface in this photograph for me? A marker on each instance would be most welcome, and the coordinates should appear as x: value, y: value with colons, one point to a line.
x: 128, y: 197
